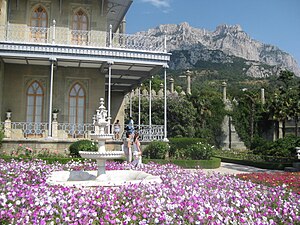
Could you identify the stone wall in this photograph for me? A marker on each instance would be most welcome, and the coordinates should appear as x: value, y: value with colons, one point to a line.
x: 17, y: 78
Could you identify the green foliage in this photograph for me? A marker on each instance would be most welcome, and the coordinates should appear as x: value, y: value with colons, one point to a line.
x: 249, y: 156
x: 82, y: 145
x: 157, y: 150
x: 193, y: 164
x: 259, y: 164
x: 247, y: 114
x: 284, y: 147
x: 178, y: 146
x: 200, y: 150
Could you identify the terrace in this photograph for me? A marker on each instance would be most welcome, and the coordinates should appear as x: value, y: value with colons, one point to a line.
x: 144, y: 55
x: 16, y: 33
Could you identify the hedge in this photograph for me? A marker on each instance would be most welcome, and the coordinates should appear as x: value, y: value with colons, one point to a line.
x: 262, y: 165
x: 213, y: 163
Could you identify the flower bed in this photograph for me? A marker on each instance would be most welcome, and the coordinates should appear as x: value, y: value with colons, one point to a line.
x: 182, y: 198
x: 290, y: 180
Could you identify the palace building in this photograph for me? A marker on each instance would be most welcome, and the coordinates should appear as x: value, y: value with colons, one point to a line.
x: 58, y: 58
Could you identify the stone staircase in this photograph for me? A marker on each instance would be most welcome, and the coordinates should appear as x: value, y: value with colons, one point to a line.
x: 231, y: 139
x: 295, y: 168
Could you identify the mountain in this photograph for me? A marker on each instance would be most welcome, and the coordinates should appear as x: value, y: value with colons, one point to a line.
x: 194, y: 47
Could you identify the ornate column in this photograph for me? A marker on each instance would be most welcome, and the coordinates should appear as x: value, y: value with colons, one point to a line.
x: 130, y: 104
x: 52, y: 61
x: 110, y: 63
x: 188, y: 79
x: 165, y: 102
x: 171, y: 85
x: 262, y: 91
x: 150, y: 102
x: 139, y: 99
x: 224, y: 85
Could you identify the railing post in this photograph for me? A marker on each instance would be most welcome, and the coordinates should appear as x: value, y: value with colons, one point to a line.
x: 110, y: 35
x: 54, y: 128
x: 7, y: 128
x: 53, y: 32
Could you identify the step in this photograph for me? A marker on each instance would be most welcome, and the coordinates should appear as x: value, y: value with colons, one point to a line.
x: 291, y: 169
x: 296, y: 165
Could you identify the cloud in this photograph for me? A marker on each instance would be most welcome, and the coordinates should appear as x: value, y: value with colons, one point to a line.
x: 161, y: 4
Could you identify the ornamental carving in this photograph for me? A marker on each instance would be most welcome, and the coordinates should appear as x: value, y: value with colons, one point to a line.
x: 71, y: 81
x: 85, y: 8
x: 29, y: 79
x: 44, y: 3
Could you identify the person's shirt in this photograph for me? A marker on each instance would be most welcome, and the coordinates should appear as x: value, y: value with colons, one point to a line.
x: 117, y: 126
x: 136, y: 145
x: 127, y: 143
x: 130, y: 123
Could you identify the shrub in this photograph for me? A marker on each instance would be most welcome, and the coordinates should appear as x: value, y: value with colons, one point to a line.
x: 199, y: 151
x: 82, y: 145
x: 178, y: 146
x: 157, y: 150
x: 283, y: 147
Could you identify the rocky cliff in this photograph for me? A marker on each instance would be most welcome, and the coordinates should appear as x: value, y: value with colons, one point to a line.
x: 192, y: 46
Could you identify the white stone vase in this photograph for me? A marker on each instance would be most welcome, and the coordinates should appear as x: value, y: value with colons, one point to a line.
x: 8, y: 115
x: 54, y: 116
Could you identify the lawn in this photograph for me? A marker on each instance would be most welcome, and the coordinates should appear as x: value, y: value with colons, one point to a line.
x: 182, y: 198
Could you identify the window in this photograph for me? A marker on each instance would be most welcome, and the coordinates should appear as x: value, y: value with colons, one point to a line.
x: 35, y: 95
x: 80, y: 28
x: 77, y: 108
x: 34, y: 109
x: 39, y: 24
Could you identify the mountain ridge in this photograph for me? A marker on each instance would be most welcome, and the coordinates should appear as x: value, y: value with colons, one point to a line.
x: 231, y: 40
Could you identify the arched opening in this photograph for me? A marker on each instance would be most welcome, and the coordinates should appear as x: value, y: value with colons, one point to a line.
x: 39, y: 24
x: 80, y: 28
x: 34, y: 109
x: 77, y: 109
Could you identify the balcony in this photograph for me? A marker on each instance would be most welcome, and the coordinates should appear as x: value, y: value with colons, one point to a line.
x: 62, y: 36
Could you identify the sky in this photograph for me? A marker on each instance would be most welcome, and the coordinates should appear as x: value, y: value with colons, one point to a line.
x: 275, y: 22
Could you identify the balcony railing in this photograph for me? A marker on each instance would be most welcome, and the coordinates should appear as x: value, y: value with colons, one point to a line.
x: 27, y: 130
x: 64, y: 36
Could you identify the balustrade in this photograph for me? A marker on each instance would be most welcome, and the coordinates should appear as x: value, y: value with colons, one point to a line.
x: 20, y: 130
x: 64, y: 36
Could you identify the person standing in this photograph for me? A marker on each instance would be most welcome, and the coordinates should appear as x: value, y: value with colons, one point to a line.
x: 117, y: 128
x: 137, y: 151
x: 127, y: 147
x: 130, y: 126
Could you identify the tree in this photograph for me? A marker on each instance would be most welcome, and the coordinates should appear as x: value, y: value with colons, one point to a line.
x: 285, y: 101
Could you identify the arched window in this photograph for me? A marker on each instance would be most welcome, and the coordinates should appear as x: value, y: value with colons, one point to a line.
x: 35, y: 101
x: 39, y: 24
x: 80, y: 28
x: 76, y: 104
